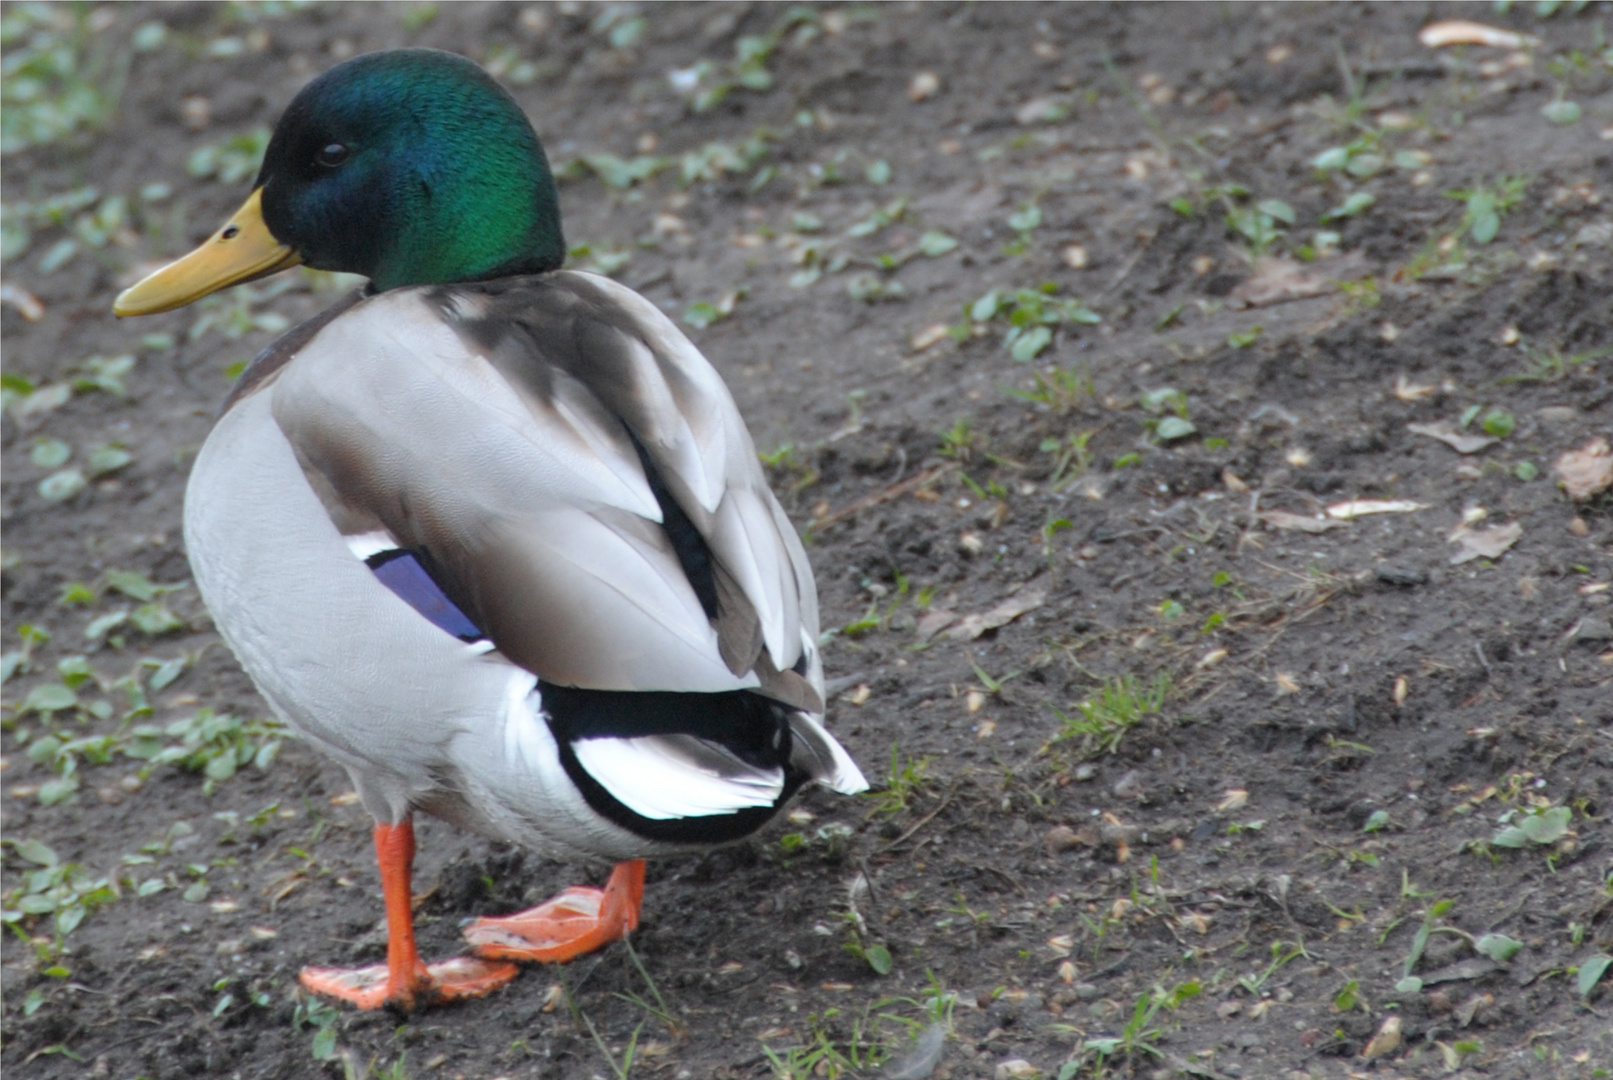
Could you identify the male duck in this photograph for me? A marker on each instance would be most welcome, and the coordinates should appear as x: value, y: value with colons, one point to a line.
x: 490, y: 533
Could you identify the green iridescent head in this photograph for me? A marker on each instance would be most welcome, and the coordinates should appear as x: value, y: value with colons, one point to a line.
x: 411, y: 167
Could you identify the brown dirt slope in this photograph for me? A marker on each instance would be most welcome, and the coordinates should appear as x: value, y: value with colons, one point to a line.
x: 1180, y: 773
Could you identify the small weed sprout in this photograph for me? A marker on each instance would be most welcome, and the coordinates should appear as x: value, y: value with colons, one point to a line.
x: 903, y: 783
x: 1281, y: 953
x: 1102, y: 721
x: 232, y: 160
x: 1071, y: 458
x: 60, y: 75
x: 791, y: 471
x: 1548, y: 364
x: 51, y: 887
x: 960, y: 441
x: 1062, y: 390
x: 1139, y: 1036
x: 1167, y: 428
x: 322, y: 1017
x: 1032, y: 315
x: 858, y: 942
x: 706, y: 84
x: 1486, y: 205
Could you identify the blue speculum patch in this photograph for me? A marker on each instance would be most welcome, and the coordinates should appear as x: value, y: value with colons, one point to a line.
x: 401, y: 572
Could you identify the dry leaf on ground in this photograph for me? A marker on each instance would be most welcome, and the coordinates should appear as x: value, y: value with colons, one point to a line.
x: 1354, y: 508
x: 1280, y: 279
x: 1460, y: 441
x: 26, y: 303
x: 1406, y: 390
x: 1587, y: 471
x: 1467, y: 32
x: 930, y: 335
x: 1006, y: 611
x: 1489, y: 543
x: 934, y: 621
x: 1282, y: 519
x: 1386, y: 1041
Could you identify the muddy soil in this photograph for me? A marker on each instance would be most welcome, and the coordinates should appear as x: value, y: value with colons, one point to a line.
x: 1179, y: 773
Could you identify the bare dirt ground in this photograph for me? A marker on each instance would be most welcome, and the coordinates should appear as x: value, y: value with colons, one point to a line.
x: 1067, y: 331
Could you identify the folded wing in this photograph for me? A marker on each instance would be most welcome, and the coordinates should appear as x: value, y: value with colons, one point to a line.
x: 563, y: 412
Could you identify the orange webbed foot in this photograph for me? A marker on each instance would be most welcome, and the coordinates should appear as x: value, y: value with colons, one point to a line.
x: 572, y: 924
x: 447, y: 980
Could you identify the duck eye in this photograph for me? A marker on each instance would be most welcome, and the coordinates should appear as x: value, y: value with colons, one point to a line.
x: 333, y: 155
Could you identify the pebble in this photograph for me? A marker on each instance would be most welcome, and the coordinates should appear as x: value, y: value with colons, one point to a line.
x: 925, y: 84
x: 1060, y: 838
x: 1404, y: 576
x: 1015, y: 1068
x: 1086, y: 771
x: 1086, y: 992
x: 1578, y: 527
x: 1594, y: 628
x: 1129, y: 786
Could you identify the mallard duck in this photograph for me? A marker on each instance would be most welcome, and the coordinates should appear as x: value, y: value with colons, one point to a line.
x: 490, y: 533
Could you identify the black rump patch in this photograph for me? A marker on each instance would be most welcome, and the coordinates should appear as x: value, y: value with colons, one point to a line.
x: 753, y: 728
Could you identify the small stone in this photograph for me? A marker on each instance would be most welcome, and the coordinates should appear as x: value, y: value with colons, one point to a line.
x: 1594, y: 628
x: 1060, y: 838
x: 1129, y: 786
x: 109, y: 795
x: 1404, y: 576
x: 925, y: 84
x: 195, y: 112
x: 1578, y: 527
x: 1086, y: 992
x: 1040, y: 110
x: 1085, y: 771
x: 131, y: 783
x: 1469, y: 1009
x: 1015, y: 1069
x: 1248, y: 1040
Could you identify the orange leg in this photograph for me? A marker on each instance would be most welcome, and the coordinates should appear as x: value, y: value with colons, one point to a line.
x: 578, y: 921
x: 403, y: 980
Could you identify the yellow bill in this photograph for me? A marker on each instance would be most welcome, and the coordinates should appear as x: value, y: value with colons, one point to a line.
x: 243, y: 250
